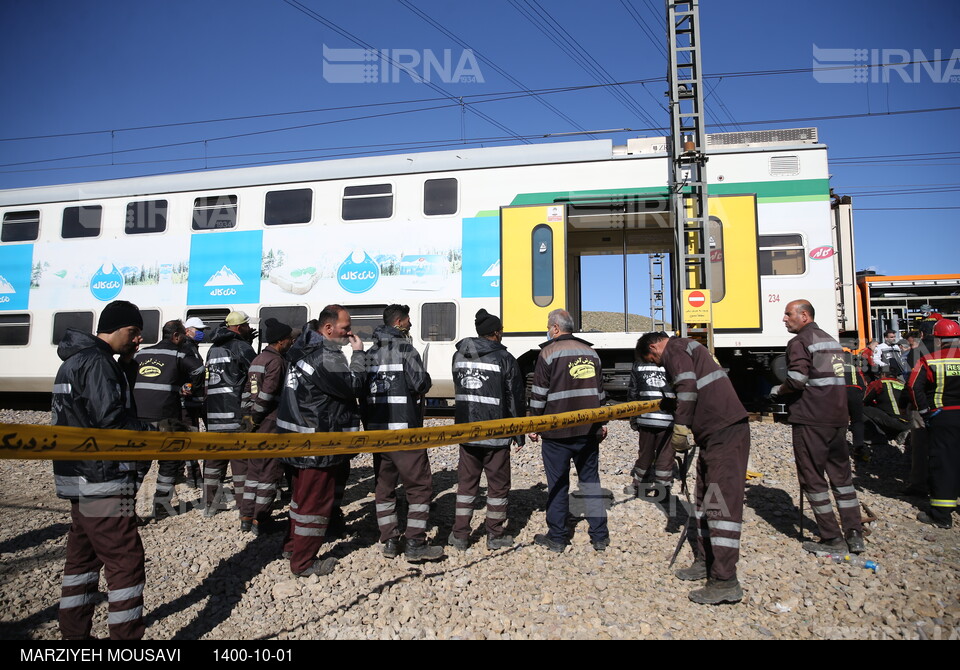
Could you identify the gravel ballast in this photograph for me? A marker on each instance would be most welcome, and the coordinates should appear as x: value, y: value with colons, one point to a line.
x: 206, y: 580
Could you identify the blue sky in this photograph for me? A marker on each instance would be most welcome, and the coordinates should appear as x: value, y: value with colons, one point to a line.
x: 123, y: 68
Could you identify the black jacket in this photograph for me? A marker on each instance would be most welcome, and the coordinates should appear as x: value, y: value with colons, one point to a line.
x: 568, y: 377
x: 321, y: 396
x: 91, y: 390
x: 488, y: 385
x: 162, y: 370
x: 396, y: 380
x: 648, y: 381
x: 228, y: 362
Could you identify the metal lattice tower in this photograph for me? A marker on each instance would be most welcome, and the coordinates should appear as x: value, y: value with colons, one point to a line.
x: 657, y: 308
x: 688, y: 180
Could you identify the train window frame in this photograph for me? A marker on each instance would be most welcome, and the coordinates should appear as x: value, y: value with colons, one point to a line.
x: 718, y: 289
x: 152, y: 321
x: 84, y: 326
x: 27, y: 326
x: 456, y: 197
x: 272, y: 310
x: 765, y: 254
x: 15, y: 226
x: 364, y: 317
x: 279, y: 220
x: 358, y: 195
x: 211, y: 317
x: 426, y: 323
x: 85, y: 229
x: 211, y: 206
x: 155, y: 212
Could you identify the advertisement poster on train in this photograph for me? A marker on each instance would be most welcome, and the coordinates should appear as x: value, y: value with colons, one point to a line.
x: 16, y: 262
x: 225, y: 268
x: 481, y: 257
x: 378, y: 261
x: 68, y: 274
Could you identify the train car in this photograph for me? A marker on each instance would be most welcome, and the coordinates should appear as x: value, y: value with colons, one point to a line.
x: 509, y: 229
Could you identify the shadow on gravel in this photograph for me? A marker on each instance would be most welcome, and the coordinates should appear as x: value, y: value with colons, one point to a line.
x: 32, y: 538
x: 20, y: 630
x: 412, y: 573
x: 777, y: 508
x: 885, y: 474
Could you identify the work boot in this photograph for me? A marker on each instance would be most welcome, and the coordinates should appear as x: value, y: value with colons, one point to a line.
x: 835, y: 545
x: 457, y: 543
x: 318, y: 567
x: 855, y: 542
x: 246, y: 524
x: 632, y: 490
x: 600, y: 545
x: 924, y: 517
x: 391, y: 548
x: 161, y: 512
x: 696, y: 571
x: 545, y: 541
x: 502, y: 542
x: 418, y: 551
x: 718, y: 591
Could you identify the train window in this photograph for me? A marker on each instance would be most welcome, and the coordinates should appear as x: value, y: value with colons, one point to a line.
x: 146, y: 216
x: 717, y: 276
x: 82, y: 321
x: 542, y: 265
x: 151, y: 325
x: 439, y: 197
x: 81, y: 222
x: 213, y: 317
x: 14, y: 330
x: 20, y: 226
x: 373, y: 201
x: 294, y: 315
x: 438, y: 322
x: 285, y: 207
x: 782, y: 255
x: 215, y: 213
x: 364, y: 319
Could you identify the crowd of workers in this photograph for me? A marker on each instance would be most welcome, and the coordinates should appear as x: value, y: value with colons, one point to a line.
x: 304, y: 383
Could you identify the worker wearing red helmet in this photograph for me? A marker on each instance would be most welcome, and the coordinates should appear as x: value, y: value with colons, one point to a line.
x: 935, y: 387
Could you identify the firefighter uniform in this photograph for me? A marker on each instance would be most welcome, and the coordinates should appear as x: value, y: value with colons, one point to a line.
x: 228, y: 363
x: 935, y: 388
x: 817, y: 410
x: 654, y: 429
x: 396, y: 381
x: 855, y: 386
x: 883, y: 409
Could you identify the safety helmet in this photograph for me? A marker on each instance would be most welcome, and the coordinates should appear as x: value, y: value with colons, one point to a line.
x: 946, y: 328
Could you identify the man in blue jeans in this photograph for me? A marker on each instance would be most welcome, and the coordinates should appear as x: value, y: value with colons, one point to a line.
x: 568, y: 378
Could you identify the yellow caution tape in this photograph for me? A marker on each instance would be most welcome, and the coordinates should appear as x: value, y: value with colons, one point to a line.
x: 90, y: 444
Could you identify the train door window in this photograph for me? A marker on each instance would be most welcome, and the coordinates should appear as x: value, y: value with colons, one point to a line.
x: 14, y: 330
x: 151, y: 325
x: 82, y: 321
x: 213, y: 317
x: 294, y: 315
x: 372, y: 201
x: 365, y: 319
x: 285, y: 207
x: 81, y: 222
x: 782, y: 255
x: 718, y: 287
x: 146, y: 216
x: 215, y: 213
x: 438, y: 322
x: 20, y: 226
x: 439, y: 197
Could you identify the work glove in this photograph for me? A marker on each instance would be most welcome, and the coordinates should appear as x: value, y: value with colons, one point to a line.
x: 679, y: 441
x: 247, y: 425
x: 774, y: 396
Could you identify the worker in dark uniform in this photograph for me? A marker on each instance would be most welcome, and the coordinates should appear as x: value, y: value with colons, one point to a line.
x: 708, y: 406
x: 885, y: 410
x: 648, y: 382
x: 935, y: 388
x: 193, y: 403
x: 397, y: 381
x: 92, y: 390
x: 487, y: 386
x: 265, y: 379
x: 855, y: 386
x: 228, y: 362
x: 320, y: 396
x: 814, y: 389
x: 164, y: 371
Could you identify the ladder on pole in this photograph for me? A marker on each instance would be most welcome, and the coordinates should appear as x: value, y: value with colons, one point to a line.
x: 657, y: 308
x: 688, y: 180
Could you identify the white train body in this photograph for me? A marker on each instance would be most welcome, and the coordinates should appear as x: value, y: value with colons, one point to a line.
x: 431, y: 230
